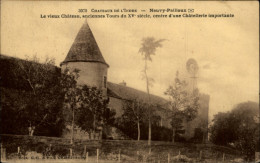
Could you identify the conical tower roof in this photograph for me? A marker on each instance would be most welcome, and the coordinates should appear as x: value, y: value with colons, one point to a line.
x: 84, y: 48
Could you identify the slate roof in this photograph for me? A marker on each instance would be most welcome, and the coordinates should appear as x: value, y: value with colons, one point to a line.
x: 84, y: 48
x: 127, y: 93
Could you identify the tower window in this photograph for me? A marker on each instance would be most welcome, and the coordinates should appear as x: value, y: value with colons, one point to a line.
x: 105, y: 81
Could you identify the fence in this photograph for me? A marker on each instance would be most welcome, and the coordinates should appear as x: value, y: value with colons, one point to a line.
x: 100, y: 156
x: 58, y: 149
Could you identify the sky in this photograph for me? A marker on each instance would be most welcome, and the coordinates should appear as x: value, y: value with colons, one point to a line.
x: 226, y: 49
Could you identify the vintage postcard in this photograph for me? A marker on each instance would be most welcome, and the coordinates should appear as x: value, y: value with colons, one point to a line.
x: 129, y: 81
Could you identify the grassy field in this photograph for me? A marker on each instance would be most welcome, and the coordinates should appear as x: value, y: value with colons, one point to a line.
x: 59, y: 150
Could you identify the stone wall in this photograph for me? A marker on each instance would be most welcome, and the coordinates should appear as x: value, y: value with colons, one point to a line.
x: 91, y: 73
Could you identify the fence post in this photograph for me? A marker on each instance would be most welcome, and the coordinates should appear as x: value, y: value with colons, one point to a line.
x: 119, y: 155
x: 257, y: 156
x: 169, y: 160
x: 70, y: 152
x: 223, y: 158
x: 97, y: 154
x: 18, y: 150
x: 200, y: 155
x: 87, y: 157
x: 3, y: 154
x: 85, y: 149
x: 1, y: 146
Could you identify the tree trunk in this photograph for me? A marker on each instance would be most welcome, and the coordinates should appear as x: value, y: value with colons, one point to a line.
x: 101, y: 130
x: 72, y: 128
x: 32, y: 133
x: 101, y: 134
x: 150, y: 132
x: 138, y: 127
x: 148, y: 92
x: 30, y: 129
x: 203, y: 138
x: 94, y: 127
x: 173, y: 135
x: 33, y: 128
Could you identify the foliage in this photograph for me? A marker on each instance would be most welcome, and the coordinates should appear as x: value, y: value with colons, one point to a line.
x: 149, y: 46
x: 183, y: 104
x: 136, y: 115
x: 160, y: 133
x: 72, y: 96
x: 84, y: 106
x: 40, y: 97
x: 37, y: 102
x: 129, y: 128
x: 238, y: 127
x: 93, y: 112
x: 133, y: 121
x: 108, y: 114
x: 222, y: 130
x: 135, y: 112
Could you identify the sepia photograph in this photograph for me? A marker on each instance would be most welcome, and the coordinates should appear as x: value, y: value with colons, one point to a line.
x: 129, y: 81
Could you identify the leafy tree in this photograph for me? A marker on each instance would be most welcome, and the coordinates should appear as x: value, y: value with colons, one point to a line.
x: 201, y: 133
x: 108, y: 114
x: 40, y: 103
x: 245, y: 128
x: 148, y: 48
x: 128, y: 124
x: 72, y: 94
x: 93, y: 113
x: 222, y: 132
x: 12, y: 109
x: 85, y: 105
x: 92, y: 103
x: 183, y: 104
x: 238, y: 127
x: 135, y: 111
x: 43, y: 98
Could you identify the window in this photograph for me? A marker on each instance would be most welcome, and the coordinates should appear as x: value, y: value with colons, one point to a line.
x: 105, y: 81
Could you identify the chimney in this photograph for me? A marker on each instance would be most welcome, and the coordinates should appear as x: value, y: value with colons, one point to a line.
x: 123, y: 83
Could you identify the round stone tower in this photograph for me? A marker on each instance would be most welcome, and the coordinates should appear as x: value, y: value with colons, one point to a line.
x: 86, y: 56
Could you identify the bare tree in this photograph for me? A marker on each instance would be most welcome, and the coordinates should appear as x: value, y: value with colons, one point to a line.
x: 148, y: 48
